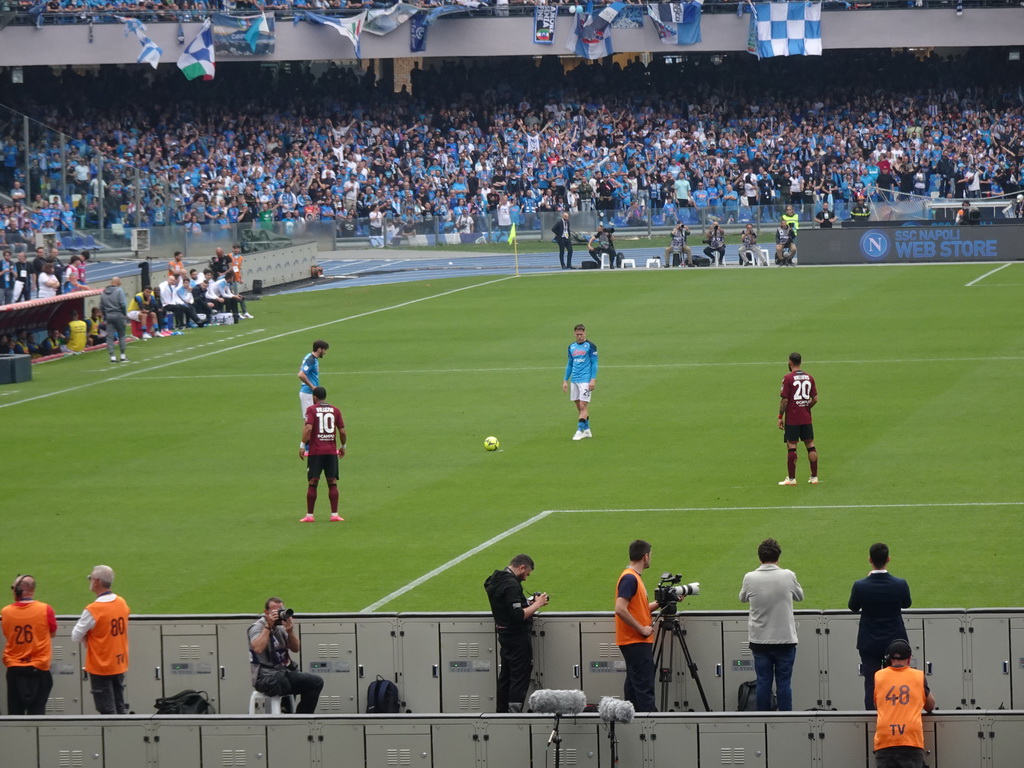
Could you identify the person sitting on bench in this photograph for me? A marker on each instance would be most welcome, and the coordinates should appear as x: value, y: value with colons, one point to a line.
x: 678, y: 245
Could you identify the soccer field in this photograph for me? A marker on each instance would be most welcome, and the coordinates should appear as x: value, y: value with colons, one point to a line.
x: 181, y: 470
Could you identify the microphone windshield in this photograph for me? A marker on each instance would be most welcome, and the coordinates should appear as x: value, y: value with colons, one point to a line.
x: 558, y: 702
x: 614, y: 710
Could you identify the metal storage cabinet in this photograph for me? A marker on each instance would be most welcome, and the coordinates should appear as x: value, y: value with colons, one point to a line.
x: 457, y: 744
x: 290, y: 744
x: 21, y: 745
x: 234, y: 678
x: 147, y: 678
x: 172, y: 745
x: 817, y: 743
x: 506, y: 742
x: 341, y: 745
x: 389, y: 745
x: 579, y: 745
x: 988, y: 655
x: 376, y: 654
x: 66, y: 698
x: 419, y: 649
x: 241, y: 745
x: 1017, y: 661
x: 604, y: 670
x: 733, y: 743
x: 329, y: 650
x: 79, y: 745
x: 739, y: 662
x: 704, y: 639
x: 189, y: 660
x: 957, y: 744
x: 557, y: 663
x: 469, y: 666
x: 665, y: 742
x: 942, y: 657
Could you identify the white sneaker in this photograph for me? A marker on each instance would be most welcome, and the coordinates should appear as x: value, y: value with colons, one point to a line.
x: 788, y: 481
x: 813, y: 480
x: 113, y: 359
x: 124, y: 358
x: 578, y: 436
x: 146, y: 336
x: 247, y: 316
x: 586, y: 433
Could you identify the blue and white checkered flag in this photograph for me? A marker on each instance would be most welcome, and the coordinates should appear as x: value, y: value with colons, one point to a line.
x: 785, y: 29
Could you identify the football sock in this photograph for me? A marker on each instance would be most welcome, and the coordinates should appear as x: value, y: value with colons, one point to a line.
x: 812, y: 456
x: 582, y: 425
x: 586, y: 423
x: 310, y: 499
x: 791, y: 462
x: 332, y: 493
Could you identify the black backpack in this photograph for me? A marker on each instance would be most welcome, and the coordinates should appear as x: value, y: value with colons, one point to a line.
x: 186, y: 703
x: 746, y: 700
x: 382, y: 697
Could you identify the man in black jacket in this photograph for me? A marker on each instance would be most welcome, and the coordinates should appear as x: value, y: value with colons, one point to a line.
x: 513, y: 619
x: 879, y: 598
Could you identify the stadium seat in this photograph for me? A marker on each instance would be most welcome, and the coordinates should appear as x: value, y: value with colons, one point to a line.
x: 269, y: 704
x: 653, y: 263
x: 628, y: 263
x: 764, y: 257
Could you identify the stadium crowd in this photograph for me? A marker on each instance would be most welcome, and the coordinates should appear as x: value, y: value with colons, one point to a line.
x: 513, y: 137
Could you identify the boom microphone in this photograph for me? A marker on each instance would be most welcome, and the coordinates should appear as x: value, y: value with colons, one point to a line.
x: 557, y: 702
x: 614, y: 710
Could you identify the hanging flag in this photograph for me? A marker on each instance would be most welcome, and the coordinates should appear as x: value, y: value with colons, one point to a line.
x: 420, y: 23
x: 151, y: 52
x: 591, y: 35
x: 198, y: 60
x: 544, y: 24
x: 381, y: 21
x: 677, y: 23
x: 785, y: 29
x: 346, y: 26
x: 243, y: 35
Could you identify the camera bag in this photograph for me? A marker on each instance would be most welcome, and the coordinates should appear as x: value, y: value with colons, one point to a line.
x: 185, y: 703
x: 382, y: 697
x: 747, y: 697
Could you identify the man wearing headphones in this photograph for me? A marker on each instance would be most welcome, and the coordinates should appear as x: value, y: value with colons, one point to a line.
x: 29, y: 626
x: 900, y: 694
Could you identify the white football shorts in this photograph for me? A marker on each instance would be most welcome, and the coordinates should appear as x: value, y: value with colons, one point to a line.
x: 579, y: 391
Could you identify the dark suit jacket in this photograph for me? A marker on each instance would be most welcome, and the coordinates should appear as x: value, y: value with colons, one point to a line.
x: 879, y: 598
x: 559, y: 230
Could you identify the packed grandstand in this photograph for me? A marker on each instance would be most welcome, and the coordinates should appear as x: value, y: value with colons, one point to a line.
x: 475, y: 138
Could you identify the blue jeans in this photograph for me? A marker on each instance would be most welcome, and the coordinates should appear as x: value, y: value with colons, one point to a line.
x: 774, y: 661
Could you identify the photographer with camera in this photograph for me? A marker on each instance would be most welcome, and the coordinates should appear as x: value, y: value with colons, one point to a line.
x: 715, y: 239
x: 513, y: 619
x: 634, y: 628
x: 271, y: 637
x: 679, y: 247
x: 603, y: 242
x: 771, y: 627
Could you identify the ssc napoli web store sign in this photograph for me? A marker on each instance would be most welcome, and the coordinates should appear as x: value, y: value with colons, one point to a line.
x: 910, y: 244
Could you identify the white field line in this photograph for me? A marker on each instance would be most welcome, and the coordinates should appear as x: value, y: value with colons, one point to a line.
x: 452, y: 563
x: 513, y: 369
x: 516, y: 528
x: 990, y: 272
x: 222, y: 349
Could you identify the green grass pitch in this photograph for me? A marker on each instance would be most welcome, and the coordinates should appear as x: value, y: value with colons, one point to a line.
x: 181, y: 469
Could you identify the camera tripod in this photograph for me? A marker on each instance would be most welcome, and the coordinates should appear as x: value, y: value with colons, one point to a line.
x: 669, y: 627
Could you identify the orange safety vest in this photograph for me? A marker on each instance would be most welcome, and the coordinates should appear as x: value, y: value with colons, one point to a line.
x: 639, y: 608
x: 236, y: 268
x: 106, y: 645
x: 899, y: 699
x: 27, y: 629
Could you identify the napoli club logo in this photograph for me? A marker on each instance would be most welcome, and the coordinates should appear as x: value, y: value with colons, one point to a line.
x: 874, y: 244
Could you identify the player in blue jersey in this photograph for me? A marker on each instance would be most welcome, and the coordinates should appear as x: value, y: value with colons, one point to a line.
x: 580, y: 378
x: 309, y: 374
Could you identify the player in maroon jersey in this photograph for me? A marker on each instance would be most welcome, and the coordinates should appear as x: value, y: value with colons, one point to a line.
x: 798, y: 395
x: 323, y: 443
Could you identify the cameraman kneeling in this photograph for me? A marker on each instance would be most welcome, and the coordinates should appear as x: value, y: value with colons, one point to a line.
x: 271, y: 637
x: 603, y: 242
